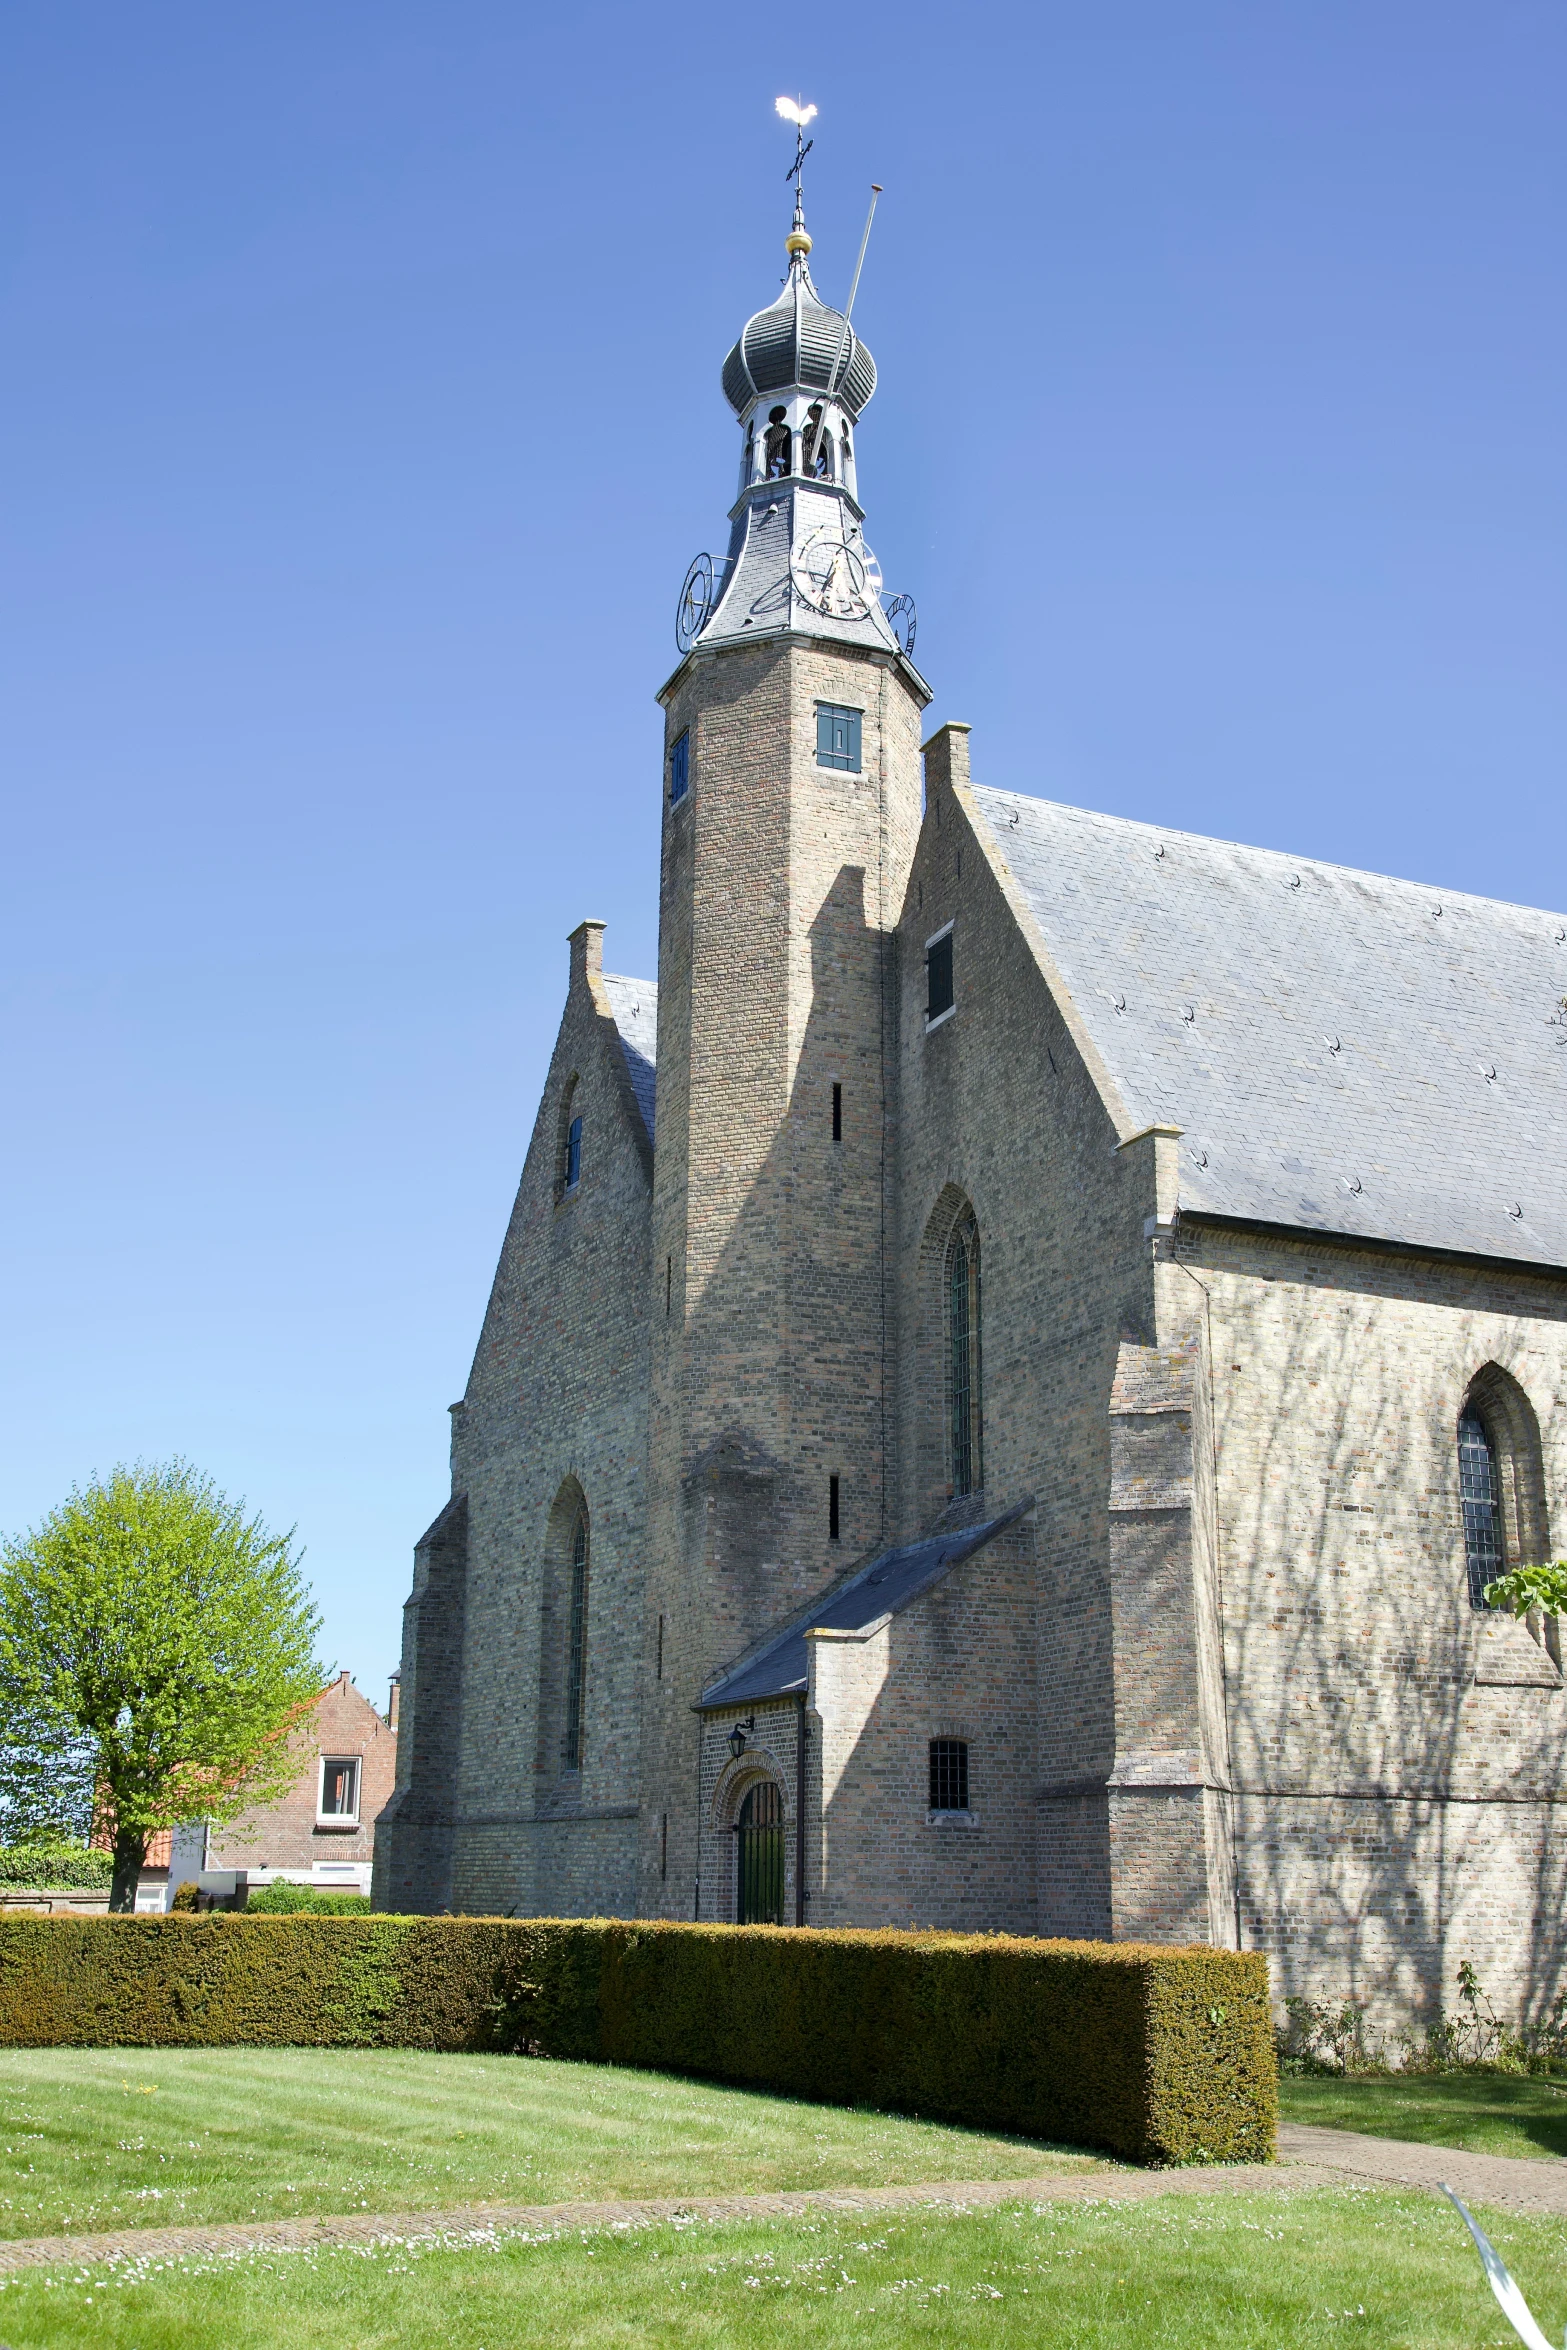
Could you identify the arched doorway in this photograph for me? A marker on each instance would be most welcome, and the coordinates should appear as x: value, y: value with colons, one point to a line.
x: 759, y: 1857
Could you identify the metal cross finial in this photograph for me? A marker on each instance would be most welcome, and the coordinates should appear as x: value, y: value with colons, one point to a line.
x: 793, y: 111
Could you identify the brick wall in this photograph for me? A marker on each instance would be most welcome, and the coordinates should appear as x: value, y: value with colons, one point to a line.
x: 288, y: 1834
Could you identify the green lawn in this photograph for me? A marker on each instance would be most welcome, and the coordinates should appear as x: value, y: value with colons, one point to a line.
x: 1258, y: 2272
x: 115, y: 2138
x: 1487, y: 2113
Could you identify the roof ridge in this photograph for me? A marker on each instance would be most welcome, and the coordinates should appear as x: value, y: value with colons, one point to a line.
x: 1288, y: 857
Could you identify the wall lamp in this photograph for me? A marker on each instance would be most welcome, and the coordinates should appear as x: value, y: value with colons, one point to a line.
x: 737, y: 1735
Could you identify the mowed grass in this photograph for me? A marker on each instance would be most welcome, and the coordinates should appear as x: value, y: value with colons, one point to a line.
x: 117, y: 2138
x: 1486, y: 2113
x: 1277, y: 2271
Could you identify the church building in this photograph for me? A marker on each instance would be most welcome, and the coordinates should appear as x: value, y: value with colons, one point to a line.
x: 1014, y: 1360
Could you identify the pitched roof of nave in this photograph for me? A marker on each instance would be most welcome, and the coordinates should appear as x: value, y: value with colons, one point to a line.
x: 1342, y: 1052
x: 634, y: 1003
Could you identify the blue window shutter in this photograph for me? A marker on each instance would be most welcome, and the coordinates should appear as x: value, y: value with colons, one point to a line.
x: 838, y: 737
x: 680, y: 768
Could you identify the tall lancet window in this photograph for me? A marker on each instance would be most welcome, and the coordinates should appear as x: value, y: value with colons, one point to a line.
x: 1480, y: 1494
x: 963, y: 1358
x: 576, y: 1648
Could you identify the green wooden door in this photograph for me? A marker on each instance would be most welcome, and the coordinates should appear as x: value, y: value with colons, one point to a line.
x: 760, y: 1837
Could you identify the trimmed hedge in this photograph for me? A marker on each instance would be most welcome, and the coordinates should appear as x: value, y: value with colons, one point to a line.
x: 1159, y: 2055
x: 55, y: 1868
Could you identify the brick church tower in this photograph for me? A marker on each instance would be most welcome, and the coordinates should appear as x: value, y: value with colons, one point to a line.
x: 791, y: 811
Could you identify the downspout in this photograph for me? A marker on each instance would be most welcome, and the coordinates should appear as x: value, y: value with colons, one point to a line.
x: 799, y: 1813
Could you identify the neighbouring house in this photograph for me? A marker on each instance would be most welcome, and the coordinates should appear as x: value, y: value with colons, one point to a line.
x: 321, y: 1832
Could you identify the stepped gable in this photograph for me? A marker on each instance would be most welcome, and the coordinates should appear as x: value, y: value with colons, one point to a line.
x: 1343, y: 1053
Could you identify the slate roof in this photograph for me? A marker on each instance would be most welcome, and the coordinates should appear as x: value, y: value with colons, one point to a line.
x: 799, y: 339
x: 634, y: 1003
x: 884, y: 1588
x: 757, y: 595
x: 1344, y: 1053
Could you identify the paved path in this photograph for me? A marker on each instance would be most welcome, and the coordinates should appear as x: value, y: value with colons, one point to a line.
x: 1307, y: 2158
x: 482, y: 2222
x: 1517, y: 2182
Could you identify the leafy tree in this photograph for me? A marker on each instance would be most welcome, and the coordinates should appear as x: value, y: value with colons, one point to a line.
x: 1526, y: 1587
x: 148, y: 1623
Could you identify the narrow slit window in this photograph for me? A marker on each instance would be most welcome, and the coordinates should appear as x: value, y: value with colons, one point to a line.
x: 838, y: 737
x: 1480, y: 1494
x: 576, y: 1649
x: 658, y: 1673
x: 949, y: 1774
x: 832, y: 1507
x: 939, y: 997
x: 963, y: 1359
x: 680, y: 767
x: 837, y: 1113
x: 574, y: 1154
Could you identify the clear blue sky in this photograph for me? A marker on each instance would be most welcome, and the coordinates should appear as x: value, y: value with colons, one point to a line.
x: 360, y: 415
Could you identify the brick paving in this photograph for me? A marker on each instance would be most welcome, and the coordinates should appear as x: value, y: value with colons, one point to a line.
x: 1308, y: 2158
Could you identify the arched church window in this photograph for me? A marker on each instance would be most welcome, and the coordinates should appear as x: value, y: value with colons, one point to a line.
x: 759, y: 1857
x: 965, y: 1433
x: 816, y: 458
x: 576, y: 1646
x: 1501, y: 1481
x: 776, y: 448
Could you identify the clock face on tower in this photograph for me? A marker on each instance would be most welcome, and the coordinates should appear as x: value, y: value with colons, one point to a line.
x: 836, y: 576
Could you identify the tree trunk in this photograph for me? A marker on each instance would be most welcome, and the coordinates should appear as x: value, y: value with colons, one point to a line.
x: 130, y: 1851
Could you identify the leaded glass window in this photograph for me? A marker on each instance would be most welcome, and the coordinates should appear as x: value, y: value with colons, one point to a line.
x: 1480, y: 1495
x: 963, y: 1359
x: 576, y: 1648
x: 949, y: 1774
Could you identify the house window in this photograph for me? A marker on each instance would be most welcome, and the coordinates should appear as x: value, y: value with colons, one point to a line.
x: 1480, y: 1493
x: 963, y: 1358
x: 680, y: 767
x: 338, y: 1801
x: 838, y: 737
x: 949, y: 1774
x: 939, y: 998
x: 759, y: 1857
x: 576, y: 1648
x: 574, y: 1154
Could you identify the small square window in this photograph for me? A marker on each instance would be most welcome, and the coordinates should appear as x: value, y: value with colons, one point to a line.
x: 949, y: 1774
x: 339, y: 1797
x: 680, y: 768
x: 939, y: 997
x: 838, y: 737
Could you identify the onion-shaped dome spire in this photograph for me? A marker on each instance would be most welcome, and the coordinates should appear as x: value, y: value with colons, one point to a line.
x: 799, y: 339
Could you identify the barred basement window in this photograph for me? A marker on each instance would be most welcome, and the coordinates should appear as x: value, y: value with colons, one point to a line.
x: 949, y: 1774
x: 680, y: 768
x: 964, y: 1419
x: 838, y: 737
x: 576, y: 1649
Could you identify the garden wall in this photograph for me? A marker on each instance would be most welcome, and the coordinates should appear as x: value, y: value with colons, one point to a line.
x: 1157, y: 2054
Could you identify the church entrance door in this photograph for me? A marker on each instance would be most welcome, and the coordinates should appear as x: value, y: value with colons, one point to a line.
x: 759, y: 1839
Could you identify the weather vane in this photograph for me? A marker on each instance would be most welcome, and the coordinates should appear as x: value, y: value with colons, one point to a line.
x: 792, y: 111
